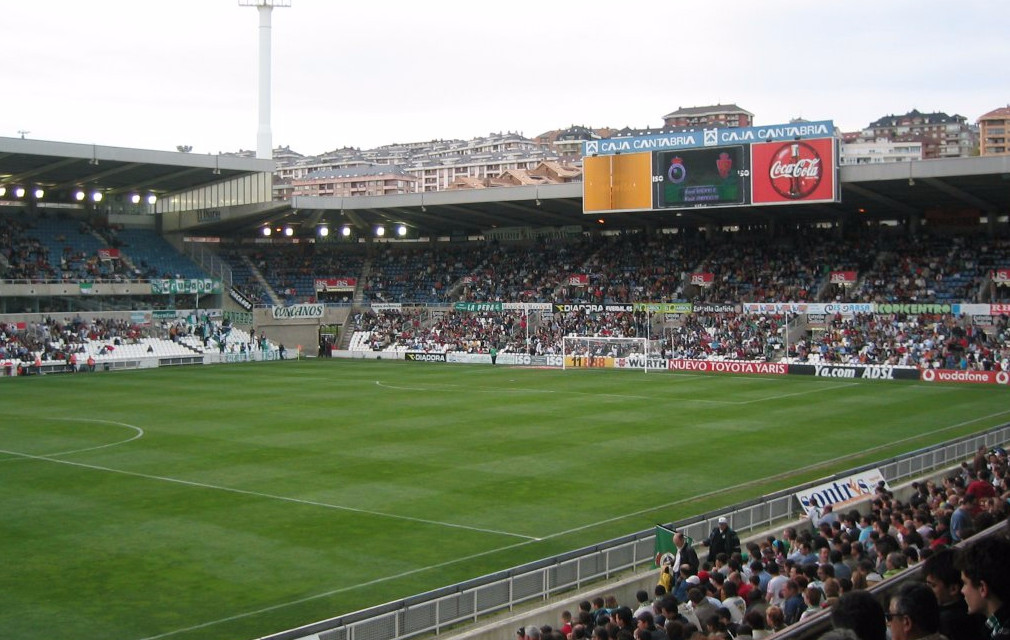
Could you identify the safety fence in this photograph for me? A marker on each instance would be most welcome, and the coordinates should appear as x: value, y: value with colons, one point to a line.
x: 449, y: 608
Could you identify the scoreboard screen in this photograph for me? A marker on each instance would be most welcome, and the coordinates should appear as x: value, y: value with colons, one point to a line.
x: 701, y: 178
x: 795, y: 163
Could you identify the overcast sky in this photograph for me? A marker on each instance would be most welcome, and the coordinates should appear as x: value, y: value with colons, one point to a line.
x: 155, y: 74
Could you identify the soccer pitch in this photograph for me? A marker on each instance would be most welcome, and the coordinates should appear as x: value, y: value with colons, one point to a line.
x: 236, y: 501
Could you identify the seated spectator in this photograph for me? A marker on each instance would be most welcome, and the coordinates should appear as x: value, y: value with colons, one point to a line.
x: 913, y: 613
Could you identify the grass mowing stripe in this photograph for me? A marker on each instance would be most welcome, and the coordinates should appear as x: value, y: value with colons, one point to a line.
x: 578, y: 456
x: 202, y: 485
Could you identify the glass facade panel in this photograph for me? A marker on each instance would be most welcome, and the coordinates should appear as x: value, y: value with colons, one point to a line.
x: 250, y: 189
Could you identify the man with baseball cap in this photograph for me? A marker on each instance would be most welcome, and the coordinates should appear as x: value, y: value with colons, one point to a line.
x: 722, y: 540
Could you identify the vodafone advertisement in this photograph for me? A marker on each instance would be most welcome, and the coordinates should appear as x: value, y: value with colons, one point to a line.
x: 957, y: 375
x: 794, y: 171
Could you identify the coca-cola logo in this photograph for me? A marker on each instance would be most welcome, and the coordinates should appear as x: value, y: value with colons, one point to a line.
x: 795, y: 170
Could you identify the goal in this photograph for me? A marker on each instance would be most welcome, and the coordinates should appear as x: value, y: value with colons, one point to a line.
x: 584, y: 352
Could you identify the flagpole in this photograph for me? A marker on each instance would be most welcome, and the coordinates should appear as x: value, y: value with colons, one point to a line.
x: 648, y: 337
x: 526, y: 308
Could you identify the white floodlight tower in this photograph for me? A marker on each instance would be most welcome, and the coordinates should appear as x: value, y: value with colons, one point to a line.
x: 264, y: 142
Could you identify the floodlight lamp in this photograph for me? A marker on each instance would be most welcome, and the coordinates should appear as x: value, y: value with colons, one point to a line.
x: 266, y: 231
x: 19, y: 192
x: 79, y: 195
x: 288, y: 231
x: 151, y: 198
x: 345, y: 231
x: 380, y: 231
x: 135, y: 198
x: 39, y: 193
x: 97, y: 196
x: 324, y: 232
x: 3, y: 191
x: 401, y: 230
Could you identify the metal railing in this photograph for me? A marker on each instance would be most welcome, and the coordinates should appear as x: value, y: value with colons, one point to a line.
x: 445, y: 609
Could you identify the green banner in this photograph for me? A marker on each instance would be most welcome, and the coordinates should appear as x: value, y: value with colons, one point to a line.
x: 478, y: 306
x: 664, y: 544
x: 166, y: 286
x: 238, y: 317
x: 87, y: 289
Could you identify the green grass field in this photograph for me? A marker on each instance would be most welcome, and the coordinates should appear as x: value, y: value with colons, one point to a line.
x: 236, y: 501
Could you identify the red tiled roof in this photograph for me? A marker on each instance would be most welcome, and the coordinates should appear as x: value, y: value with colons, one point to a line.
x: 1003, y: 113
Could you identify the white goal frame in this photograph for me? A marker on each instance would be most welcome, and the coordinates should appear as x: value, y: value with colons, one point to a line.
x: 573, y: 346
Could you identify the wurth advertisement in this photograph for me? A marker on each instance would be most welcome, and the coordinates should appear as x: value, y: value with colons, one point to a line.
x: 794, y: 171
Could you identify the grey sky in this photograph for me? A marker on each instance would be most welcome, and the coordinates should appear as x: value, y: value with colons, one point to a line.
x: 148, y: 74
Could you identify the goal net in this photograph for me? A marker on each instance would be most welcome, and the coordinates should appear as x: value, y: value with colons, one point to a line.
x: 584, y: 352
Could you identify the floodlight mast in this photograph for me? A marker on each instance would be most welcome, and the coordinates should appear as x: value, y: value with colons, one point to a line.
x: 264, y: 136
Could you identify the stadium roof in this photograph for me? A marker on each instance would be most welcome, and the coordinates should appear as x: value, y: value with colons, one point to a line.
x: 876, y: 192
x: 57, y: 166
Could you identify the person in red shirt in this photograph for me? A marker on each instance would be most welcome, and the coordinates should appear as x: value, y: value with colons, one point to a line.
x: 981, y: 489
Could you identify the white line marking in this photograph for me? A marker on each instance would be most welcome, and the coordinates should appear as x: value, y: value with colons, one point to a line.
x: 139, y: 434
x: 558, y: 534
x: 314, y: 503
x: 778, y: 476
x: 799, y: 393
x: 333, y: 592
x: 390, y: 386
x: 473, y: 389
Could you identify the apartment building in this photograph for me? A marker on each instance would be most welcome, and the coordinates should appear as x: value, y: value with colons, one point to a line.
x: 992, y: 132
x: 942, y: 136
x: 719, y: 115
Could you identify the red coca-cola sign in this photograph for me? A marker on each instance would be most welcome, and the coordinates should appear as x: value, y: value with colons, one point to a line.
x: 793, y: 171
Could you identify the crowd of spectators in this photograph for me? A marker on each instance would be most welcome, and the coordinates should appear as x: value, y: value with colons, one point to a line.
x: 939, y: 341
x: 55, y: 340
x: 726, y: 335
x: 24, y: 256
x: 942, y: 341
x: 773, y: 582
x: 418, y: 273
x: 793, y: 265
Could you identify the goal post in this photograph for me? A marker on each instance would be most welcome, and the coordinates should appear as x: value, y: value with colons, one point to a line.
x: 597, y: 352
